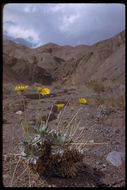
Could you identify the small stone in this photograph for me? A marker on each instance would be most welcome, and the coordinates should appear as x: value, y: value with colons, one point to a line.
x: 33, y: 182
x: 81, y: 128
x: 103, y: 169
x: 99, y: 163
x: 115, y: 158
x: 53, y: 185
x: 32, y: 122
x: 23, y: 153
x: 91, y: 141
x: 104, y: 165
x: 19, y: 112
x: 72, y: 108
x: 5, y: 176
x: 81, y: 151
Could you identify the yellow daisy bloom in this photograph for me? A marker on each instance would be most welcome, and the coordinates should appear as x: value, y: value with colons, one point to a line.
x: 21, y: 88
x: 60, y: 105
x: 83, y: 100
x: 44, y: 91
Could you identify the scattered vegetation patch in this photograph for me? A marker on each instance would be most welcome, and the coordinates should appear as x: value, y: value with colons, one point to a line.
x: 117, y: 102
x: 99, y: 100
x: 97, y: 86
x: 8, y: 89
x: 104, y: 110
x: 56, y: 150
x: 48, y: 151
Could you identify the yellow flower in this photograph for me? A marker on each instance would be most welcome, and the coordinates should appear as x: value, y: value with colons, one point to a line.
x: 60, y: 105
x: 21, y: 88
x: 44, y: 91
x: 83, y: 100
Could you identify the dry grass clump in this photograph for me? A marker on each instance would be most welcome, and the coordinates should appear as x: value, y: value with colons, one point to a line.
x: 104, y: 111
x: 99, y: 101
x: 97, y: 86
x: 8, y: 89
x: 117, y: 102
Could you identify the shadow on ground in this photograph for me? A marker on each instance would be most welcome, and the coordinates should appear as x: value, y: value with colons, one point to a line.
x: 87, y: 177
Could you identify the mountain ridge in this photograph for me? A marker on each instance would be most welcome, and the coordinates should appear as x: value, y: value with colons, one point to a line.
x: 67, y: 65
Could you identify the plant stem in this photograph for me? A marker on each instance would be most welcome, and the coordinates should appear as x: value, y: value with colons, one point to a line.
x: 25, y: 128
x: 72, y: 120
x: 15, y: 171
x: 61, y: 113
x: 49, y: 116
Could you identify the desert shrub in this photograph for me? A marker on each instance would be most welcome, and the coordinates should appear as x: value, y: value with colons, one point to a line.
x: 109, y: 110
x: 117, y: 103
x: 99, y: 100
x: 49, y: 152
x: 104, y: 111
x: 97, y: 86
x: 121, y: 102
x: 7, y: 89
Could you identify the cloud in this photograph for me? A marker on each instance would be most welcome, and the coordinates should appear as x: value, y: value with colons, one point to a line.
x: 64, y: 23
x: 20, y: 32
x: 29, y: 9
x: 68, y: 22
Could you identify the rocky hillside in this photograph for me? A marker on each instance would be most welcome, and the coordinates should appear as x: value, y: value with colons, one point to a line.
x: 104, y: 61
x: 51, y: 63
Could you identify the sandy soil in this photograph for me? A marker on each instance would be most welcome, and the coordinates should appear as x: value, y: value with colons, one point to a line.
x: 107, y: 134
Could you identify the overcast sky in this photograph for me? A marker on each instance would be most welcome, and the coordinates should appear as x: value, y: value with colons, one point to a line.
x: 63, y: 24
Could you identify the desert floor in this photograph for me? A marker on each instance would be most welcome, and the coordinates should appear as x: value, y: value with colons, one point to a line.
x: 103, y: 132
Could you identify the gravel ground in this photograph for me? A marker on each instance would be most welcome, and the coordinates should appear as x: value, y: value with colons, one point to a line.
x: 102, y: 135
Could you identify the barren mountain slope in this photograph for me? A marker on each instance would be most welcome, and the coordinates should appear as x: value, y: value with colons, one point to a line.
x: 105, y: 59
x: 65, y: 64
x: 9, y: 75
x: 113, y: 67
x: 64, y: 52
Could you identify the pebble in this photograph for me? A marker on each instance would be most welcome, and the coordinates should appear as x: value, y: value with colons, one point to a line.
x: 81, y: 128
x: 104, y: 165
x: 5, y: 176
x: 19, y: 112
x: 32, y: 122
x: 98, y: 162
x: 101, y: 166
x: 72, y: 109
x: 91, y: 141
x: 51, y: 186
x: 115, y: 158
